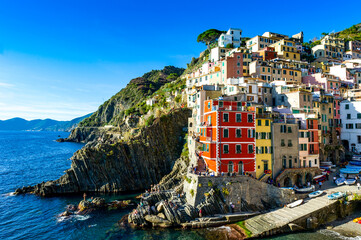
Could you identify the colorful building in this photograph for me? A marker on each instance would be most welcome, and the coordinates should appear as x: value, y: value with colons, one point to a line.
x: 263, y: 144
x: 228, y: 137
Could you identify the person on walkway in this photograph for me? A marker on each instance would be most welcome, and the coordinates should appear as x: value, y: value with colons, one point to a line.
x: 200, y: 212
x: 320, y: 184
x: 334, y: 179
x: 308, y: 184
x: 327, y: 176
x: 358, y: 186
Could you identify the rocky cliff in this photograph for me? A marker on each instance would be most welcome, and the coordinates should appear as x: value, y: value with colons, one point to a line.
x: 110, y: 165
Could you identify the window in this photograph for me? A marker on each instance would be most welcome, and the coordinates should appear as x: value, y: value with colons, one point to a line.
x: 359, y: 116
x: 238, y: 117
x: 225, y: 149
x: 267, y: 123
x: 284, y: 159
x: 251, y: 133
x: 259, y: 122
x: 220, y: 104
x: 349, y: 126
x: 290, y: 143
x: 225, y: 133
x: 348, y: 116
x: 283, y: 143
x: 225, y: 117
x: 238, y: 133
x: 238, y: 148
x: 290, y: 161
x: 250, y: 148
x: 347, y: 106
x: 249, y: 118
x: 230, y: 167
x: 283, y: 128
x: 289, y: 130
x: 358, y: 126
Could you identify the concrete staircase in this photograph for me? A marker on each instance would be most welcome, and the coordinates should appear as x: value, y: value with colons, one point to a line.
x: 201, y: 165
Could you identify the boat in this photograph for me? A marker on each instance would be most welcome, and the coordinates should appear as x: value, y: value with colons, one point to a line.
x: 349, y: 171
x: 340, y: 181
x: 348, y: 175
x: 352, y: 167
x: 319, y: 178
x: 305, y: 190
x: 290, y: 188
x: 355, y: 163
x: 325, y: 163
x: 335, y: 195
x: 356, y: 158
x: 326, y: 167
x: 315, y: 194
x: 350, y: 181
x: 295, y: 204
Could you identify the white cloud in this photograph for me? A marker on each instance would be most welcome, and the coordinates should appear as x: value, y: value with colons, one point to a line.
x: 7, y: 85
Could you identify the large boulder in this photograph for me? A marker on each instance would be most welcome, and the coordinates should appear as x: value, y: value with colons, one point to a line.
x: 98, y: 202
x: 157, y: 221
x: 83, y: 205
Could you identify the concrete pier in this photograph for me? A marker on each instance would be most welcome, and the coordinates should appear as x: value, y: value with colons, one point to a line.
x: 309, y: 215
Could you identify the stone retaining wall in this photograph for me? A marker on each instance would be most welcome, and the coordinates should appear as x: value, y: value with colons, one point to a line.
x: 246, y: 193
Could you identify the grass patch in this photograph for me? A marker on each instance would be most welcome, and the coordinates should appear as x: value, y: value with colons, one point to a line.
x: 246, y: 231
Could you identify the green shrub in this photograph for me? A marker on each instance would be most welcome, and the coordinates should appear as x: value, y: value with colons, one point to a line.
x: 192, y: 192
x: 149, y: 121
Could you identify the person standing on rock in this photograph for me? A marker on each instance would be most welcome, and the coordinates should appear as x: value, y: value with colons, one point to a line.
x: 84, y: 196
x: 320, y: 184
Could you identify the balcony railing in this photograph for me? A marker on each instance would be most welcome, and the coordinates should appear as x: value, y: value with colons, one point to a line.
x: 313, y: 152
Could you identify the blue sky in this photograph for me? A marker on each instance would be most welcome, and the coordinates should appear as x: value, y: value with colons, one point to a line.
x: 62, y: 59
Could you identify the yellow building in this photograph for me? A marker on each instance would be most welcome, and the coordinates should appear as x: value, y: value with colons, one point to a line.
x: 287, y: 49
x: 263, y: 145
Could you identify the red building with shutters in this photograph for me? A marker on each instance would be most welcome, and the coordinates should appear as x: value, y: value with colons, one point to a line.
x: 228, y: 137
x: 313, y: 144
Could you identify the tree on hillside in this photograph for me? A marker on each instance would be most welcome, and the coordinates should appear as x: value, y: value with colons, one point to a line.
x: 209, y: 36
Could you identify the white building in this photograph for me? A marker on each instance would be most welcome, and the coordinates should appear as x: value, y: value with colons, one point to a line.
x: 351, y: 124
x: 233, y: 36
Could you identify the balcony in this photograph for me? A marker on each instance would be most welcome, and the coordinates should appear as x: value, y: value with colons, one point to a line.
x: 311, y: 152
x: 263, y: 115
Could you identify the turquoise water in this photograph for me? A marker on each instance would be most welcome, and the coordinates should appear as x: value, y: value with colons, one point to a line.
x: 28, y: 158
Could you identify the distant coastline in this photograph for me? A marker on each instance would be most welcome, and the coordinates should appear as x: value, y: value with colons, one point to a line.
x: 37, y: 125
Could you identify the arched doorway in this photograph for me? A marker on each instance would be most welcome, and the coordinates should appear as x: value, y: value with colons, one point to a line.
x: 287, y: 182
x: 308, y: 178
x: 240, y: 168
x: 230, y: 167
x: 298, y: 180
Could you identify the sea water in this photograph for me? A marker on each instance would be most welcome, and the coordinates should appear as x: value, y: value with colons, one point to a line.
x: 28, y: 158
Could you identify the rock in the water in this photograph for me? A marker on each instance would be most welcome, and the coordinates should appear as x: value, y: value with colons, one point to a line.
x: 83, y: 205
x: 98, y: 202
